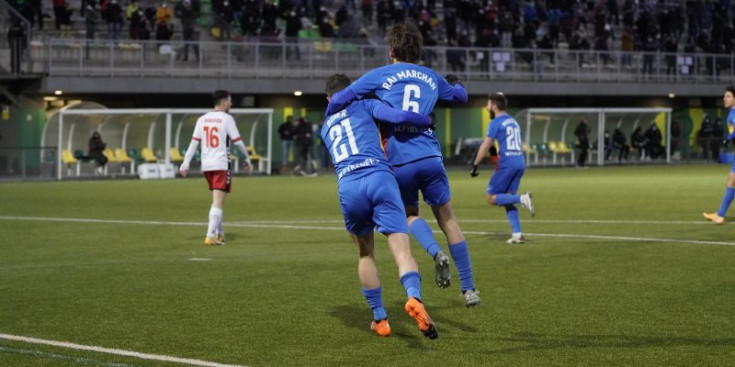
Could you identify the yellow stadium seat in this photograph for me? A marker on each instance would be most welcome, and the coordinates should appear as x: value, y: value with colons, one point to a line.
x: 254, y: 157
x: 122, y: 156
x: 67, y: 157
x: 110, y: 155
x: 565, y: 148
x: 323, y: 46
x: 527, y: 149
x: 176, y: 155
x: 558, y: 148
x: 147, y: 155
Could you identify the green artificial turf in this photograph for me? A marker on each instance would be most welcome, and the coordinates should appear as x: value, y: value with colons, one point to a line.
x: 620, y: 269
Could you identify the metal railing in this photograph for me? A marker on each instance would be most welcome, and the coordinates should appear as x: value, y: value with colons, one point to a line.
x: 312, y: 59
x: 24, y: 163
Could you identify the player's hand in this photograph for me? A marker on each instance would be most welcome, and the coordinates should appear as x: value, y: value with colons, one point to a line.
x: 184, y: 170
x: 452, y: 79
x: 246, y: 165
x: 474, y: 173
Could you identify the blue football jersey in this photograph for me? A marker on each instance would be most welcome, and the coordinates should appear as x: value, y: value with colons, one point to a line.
x: 407, y: 87
x: 352, y: 138
x: 731, y: 121
x: 505, y: 130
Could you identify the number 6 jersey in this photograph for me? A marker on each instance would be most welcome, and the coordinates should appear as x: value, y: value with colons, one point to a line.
x: 212, y: 130
x: 407, y: 87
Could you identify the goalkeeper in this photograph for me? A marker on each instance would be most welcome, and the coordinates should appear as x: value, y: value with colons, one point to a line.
x: 213, y: 130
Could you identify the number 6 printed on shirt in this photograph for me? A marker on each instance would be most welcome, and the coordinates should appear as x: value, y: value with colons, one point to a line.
x: 411, y: 94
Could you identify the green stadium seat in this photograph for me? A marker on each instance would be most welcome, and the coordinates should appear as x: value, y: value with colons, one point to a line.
x: 135, y: 155
x: 81, y: 156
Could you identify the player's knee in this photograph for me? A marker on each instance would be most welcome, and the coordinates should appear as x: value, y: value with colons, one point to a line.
x: 491, y: 200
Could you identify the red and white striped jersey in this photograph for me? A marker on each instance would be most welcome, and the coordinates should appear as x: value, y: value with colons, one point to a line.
x: 212, y: 130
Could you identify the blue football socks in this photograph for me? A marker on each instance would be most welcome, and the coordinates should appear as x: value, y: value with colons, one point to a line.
x: 507, y: 199
x: 412, y: 282
x: 422, y: 232
x: 461, y: 257
x: 726, y: 200
x: 374, y: 299
x: 515, y: 221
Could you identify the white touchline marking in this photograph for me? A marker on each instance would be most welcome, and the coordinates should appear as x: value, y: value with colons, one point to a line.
x: 86, y: 361
x: 119, y: 352
x: 612, y: 238
x: 200, y: 259
x: 263, y: 224
x: 277, y: 222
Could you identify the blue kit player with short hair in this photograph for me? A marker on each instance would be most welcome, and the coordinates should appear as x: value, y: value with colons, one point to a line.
x: 502, y: 188
x: 414, y: 153
x: 719, y: 217
x: 369, y: 198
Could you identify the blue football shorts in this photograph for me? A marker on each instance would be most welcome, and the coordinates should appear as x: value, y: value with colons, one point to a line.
x: 372, y: 201
x: 425, y: 175
x: 506, y: 180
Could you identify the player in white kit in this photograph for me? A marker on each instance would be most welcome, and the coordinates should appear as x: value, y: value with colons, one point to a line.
x: 213, y: 130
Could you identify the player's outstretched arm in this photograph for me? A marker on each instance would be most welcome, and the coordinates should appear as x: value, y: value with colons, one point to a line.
x: 460, y: 94
x: 481, y: 153
x: 385, y: 113
x: 184, y: 169
x: 453, y: 90
x: 340, y: 100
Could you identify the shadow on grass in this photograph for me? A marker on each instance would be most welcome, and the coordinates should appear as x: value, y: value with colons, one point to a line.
x: 358, y: 317
x: 536, y: 342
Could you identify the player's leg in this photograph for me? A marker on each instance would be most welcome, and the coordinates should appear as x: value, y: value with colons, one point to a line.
x: 215, y: 216
x: 719, y: 216
x: 388, y: 215
x: 411, y: 281
x: 408, y: 177
x: 499, y: 188
x: 501, y: 192
x: 370, y: 282
x: 220, y: 232
x: 357, y: 213
x: 219, y: 183
x: 459, y: 250
x: 437, y: 193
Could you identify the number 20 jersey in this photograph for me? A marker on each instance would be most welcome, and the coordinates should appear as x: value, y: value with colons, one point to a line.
x: 212, y: 130
x: 506, y: 131
x: 353, y: 141
x: 407, y: 87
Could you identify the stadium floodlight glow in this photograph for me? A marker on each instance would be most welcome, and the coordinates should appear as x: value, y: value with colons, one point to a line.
x: 672, y: 95
x: 298, y: 93
x: 58, y: 92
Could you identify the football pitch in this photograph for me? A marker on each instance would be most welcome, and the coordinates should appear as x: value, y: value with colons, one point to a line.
x: 620, y: 269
